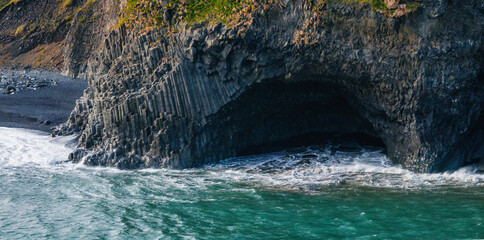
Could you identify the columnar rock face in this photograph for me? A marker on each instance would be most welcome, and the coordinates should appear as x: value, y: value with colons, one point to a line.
x: 183, y: 98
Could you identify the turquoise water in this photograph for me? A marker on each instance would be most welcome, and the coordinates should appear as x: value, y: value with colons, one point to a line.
x: 318, y: 193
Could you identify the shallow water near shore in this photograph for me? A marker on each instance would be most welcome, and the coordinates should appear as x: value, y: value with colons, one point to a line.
x: 318, y: 192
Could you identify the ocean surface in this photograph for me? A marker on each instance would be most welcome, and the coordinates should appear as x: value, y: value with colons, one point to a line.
x: 322, y: 192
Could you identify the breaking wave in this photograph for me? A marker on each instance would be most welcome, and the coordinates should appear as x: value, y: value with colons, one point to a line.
x: 312, y: 169
x: 22, y: 147
x: 340, y: 191
x: 309, y: 169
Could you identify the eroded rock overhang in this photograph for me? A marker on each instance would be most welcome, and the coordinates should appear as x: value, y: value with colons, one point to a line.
x: 182, y: 99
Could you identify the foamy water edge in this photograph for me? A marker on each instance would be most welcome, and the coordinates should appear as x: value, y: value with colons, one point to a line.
x: 308, y: 171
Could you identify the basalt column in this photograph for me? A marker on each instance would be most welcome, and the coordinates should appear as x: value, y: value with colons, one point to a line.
x: 166, y: 98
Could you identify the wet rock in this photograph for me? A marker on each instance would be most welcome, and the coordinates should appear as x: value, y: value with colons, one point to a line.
x: 212, y: 91
x: 304, y: 161
x: 296, y: 150
x: 480, y: 165
x: 309, y: 156
x: 347, y: 147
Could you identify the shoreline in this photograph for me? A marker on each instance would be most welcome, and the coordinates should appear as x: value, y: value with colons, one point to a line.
x: 46, y: 102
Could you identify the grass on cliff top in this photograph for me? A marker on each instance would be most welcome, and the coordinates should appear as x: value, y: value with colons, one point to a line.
x: 220, y: 10
x: 148, y: 13
x: 151, y: 13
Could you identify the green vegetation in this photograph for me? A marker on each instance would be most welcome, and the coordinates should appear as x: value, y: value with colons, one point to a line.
x: 217, y: 10
x: 20, y: 29
x: 148, y: 13
x: 378, y: 5
x: 67, y: 3
x: 151, y: 13
x: 4, y: 3
x: 413, y: 6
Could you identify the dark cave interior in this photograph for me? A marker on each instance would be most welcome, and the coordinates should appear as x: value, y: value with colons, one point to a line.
x: 276, y: 115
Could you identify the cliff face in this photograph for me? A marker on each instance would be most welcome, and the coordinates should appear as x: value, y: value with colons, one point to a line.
x: 28, y: 37
x: 55, y: 34
x: 92, y: 24
x: 184, y: 94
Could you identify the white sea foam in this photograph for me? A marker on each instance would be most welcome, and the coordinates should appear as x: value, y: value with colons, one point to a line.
x: 22, y: 147
x: 311, y: 170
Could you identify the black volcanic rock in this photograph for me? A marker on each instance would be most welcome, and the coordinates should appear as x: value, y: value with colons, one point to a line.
x: 207, y: 92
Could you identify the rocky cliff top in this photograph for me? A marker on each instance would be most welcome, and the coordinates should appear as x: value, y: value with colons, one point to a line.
x: 63, y: 34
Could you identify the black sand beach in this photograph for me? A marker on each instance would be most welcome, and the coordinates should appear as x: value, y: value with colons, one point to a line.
x: 41, y: 107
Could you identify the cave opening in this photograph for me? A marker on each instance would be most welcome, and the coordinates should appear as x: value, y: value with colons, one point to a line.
x: 275, y: 115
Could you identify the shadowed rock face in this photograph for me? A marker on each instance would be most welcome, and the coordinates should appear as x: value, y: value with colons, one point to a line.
x: 210, y: 92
